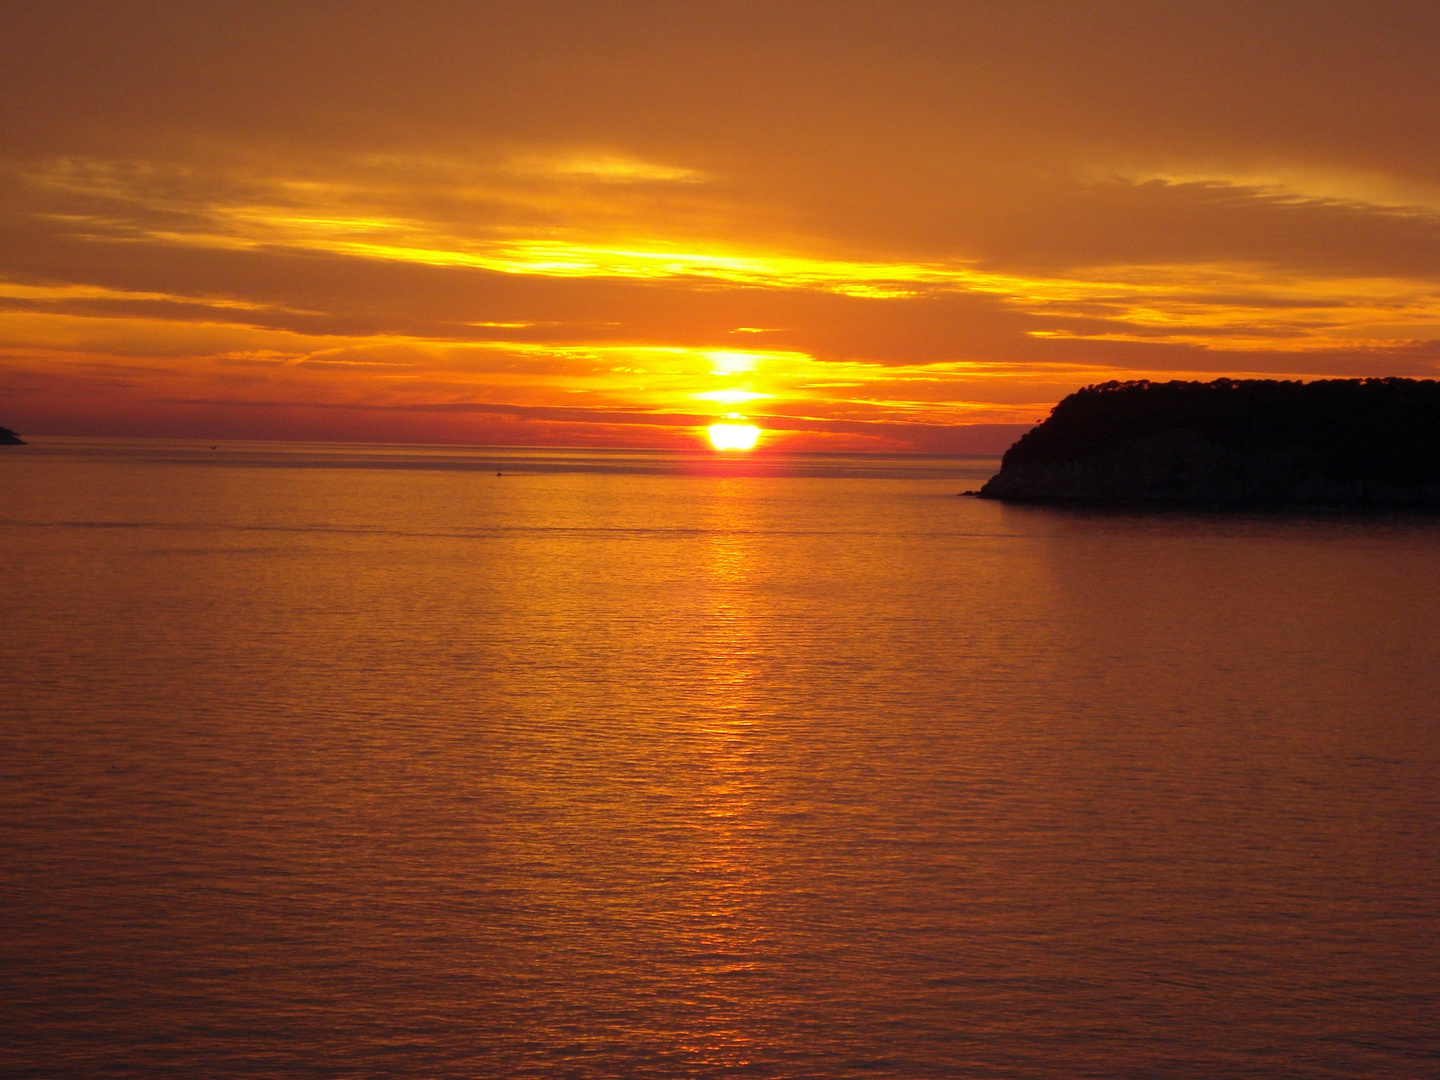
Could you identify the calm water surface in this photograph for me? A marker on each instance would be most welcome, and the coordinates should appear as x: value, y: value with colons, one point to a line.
x: 323, y: 761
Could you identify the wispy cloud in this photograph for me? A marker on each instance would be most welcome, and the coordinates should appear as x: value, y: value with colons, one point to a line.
x: 940, y: 219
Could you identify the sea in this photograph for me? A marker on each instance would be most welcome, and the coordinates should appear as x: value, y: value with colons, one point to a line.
x: 429, y: 762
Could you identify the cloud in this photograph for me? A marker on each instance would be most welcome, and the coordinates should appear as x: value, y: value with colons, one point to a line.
x: 920, y: 210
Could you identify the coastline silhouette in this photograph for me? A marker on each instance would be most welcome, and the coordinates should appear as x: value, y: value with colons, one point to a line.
x: 1243, y: 443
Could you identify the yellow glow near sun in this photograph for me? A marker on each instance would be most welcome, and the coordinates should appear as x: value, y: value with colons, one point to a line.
x: 734, y: 436
x: 732, y: 363
x: 730, y: 397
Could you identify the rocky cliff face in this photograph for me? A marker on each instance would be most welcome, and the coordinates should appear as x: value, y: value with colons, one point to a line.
x: 1349, y: 443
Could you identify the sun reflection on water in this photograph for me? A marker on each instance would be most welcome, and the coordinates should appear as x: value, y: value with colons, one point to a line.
x: 732, y: 923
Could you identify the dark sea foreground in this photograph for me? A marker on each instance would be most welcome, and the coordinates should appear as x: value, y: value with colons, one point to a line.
x: 325, y: 761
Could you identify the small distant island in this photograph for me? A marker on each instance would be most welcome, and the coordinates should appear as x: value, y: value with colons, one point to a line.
x: 9, y: 438
x: 1233, y: 442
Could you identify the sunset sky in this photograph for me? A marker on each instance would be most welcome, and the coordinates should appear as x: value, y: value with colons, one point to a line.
x: 890, y: 226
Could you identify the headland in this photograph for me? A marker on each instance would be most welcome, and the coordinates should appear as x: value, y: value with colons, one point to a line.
x: 1235, y: 443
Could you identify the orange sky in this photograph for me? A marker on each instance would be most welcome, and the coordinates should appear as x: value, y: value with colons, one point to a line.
x: 888, y: 225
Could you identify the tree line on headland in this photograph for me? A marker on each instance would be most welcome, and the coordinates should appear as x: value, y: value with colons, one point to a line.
x: 1244, y: 442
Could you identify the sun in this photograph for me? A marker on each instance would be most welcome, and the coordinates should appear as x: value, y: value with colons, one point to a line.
x: 734, y: 436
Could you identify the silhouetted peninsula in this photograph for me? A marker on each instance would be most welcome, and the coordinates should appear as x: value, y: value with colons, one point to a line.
x: 9, y: 438
x: 1336, y: 442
